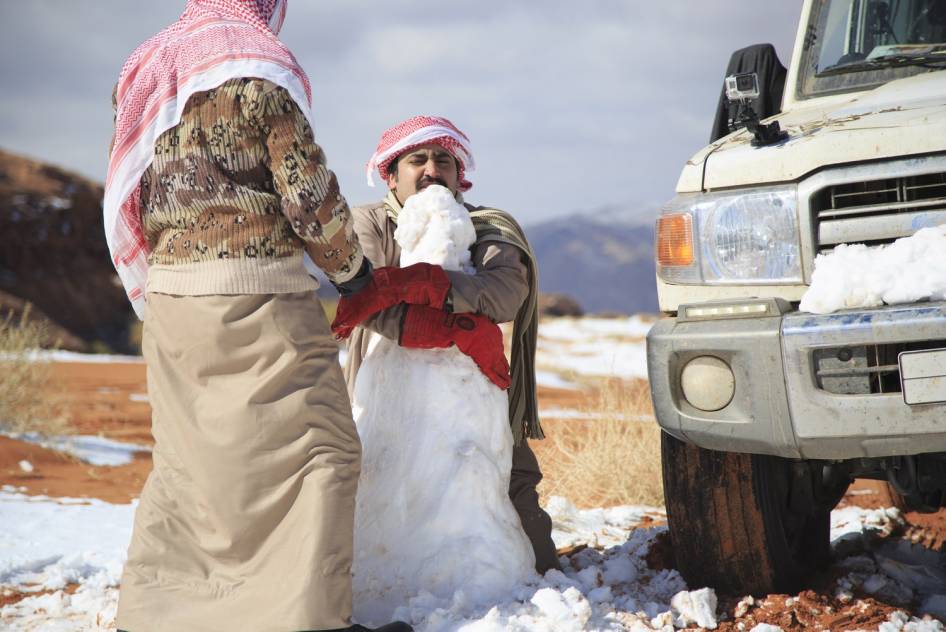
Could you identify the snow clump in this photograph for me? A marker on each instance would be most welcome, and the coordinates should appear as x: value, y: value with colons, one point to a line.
x: 856, y: 276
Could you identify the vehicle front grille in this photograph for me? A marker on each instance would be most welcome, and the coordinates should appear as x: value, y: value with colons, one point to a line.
x: 864, y: 369
x: 877, y: 211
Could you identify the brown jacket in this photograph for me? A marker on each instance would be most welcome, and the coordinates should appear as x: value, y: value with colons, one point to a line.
x: 497, y: 290
x: 234, y: 194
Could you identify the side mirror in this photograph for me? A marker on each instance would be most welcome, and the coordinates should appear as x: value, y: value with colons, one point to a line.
x: 764, y: 92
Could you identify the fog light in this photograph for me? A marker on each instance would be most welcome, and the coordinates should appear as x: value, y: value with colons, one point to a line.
x: 708, y: 383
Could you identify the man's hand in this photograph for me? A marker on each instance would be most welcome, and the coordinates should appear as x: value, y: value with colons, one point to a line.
x: 419, y: 284
x: 473, y: 334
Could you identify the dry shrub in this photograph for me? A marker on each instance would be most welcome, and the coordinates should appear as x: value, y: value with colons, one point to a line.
x: 613, y: 459
x: 26, y: 400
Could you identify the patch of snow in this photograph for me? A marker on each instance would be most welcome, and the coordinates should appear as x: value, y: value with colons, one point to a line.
x: 899, y: 620
x: 595, y: 347
x: 550, y: 379
x: 90, y: 449
x: 856, y: 276
x: 138, y: 397
x: 566, y: 413
x: 595, y: 359
x: 44, y: 355
x: 26, y: 466
x: 624, y: 360
x: 855, y: 520
x: 896, y: 571
x: 608, y: 590
x: 567, y: 328
x: 694, y: 607
x: 596, y: 527
x: 47, y: 544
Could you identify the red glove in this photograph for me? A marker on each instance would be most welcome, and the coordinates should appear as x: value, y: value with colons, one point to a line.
x: 473, y: 334
x: 418, y: 284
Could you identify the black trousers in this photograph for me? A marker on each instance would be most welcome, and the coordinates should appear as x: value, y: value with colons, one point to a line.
x: 537, y: 524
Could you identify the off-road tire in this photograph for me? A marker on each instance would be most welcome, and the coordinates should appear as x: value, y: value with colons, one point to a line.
x: 735, y: 524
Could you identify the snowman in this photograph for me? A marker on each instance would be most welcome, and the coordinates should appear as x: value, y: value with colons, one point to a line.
x: 433, y: 513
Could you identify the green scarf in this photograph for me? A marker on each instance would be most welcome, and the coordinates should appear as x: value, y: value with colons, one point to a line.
x: 495, y: 225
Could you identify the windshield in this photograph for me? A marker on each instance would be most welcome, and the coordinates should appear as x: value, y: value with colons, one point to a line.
x: 857, y: 44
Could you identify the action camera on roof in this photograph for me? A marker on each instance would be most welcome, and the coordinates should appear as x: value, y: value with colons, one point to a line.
x: 743, y: 86
x: 741, y: 89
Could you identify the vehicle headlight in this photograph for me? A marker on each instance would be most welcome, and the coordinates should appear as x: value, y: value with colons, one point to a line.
x: 741, y: 237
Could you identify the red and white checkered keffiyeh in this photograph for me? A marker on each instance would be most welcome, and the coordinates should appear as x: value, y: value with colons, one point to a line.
x: 417, y: 131
x: 212, y: 42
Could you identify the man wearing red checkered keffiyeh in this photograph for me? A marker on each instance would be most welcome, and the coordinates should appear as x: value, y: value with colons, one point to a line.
x: 216, y: 192
x: 411, y: 156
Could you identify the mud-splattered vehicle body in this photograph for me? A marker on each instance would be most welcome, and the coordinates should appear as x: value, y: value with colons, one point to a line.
x: 768, y: 412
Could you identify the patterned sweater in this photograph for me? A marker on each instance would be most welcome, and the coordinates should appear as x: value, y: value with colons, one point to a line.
x: 236, y: 191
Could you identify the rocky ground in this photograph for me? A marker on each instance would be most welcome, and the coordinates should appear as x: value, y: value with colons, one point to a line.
x: 108, y: 399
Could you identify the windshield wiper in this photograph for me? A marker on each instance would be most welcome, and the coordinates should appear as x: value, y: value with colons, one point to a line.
x: 886, y: 61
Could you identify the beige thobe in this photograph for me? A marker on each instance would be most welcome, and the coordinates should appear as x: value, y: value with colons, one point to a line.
x: 247, y: 518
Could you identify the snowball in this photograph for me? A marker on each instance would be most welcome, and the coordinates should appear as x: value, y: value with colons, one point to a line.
x: 433, y: 227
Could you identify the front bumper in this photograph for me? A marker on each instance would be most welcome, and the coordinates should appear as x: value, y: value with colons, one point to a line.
x: 779, y: 407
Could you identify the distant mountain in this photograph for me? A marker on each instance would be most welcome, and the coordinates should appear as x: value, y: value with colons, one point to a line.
x: 53, y: 255
x: 604, y: 259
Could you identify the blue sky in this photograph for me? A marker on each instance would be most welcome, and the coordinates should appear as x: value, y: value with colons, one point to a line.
x: 570, y: 106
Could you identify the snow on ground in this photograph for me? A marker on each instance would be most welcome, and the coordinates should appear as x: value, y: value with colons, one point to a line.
x: 896, y: 571
x: 42, y: 355
x: 47, y: 544
x: 571, y: 413
x: 550, y: 379
x: 854, y: 275
x: 594, y: 347
x: 579, y: 329
x: 90, y: 449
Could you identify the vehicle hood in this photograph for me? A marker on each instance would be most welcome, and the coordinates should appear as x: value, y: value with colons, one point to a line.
x: 900, y: 118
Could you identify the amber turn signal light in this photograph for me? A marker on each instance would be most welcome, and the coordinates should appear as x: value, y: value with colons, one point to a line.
x: 675, y: 240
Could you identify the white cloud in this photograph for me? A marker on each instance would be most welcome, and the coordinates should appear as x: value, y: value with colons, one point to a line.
x: 569, y: 105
